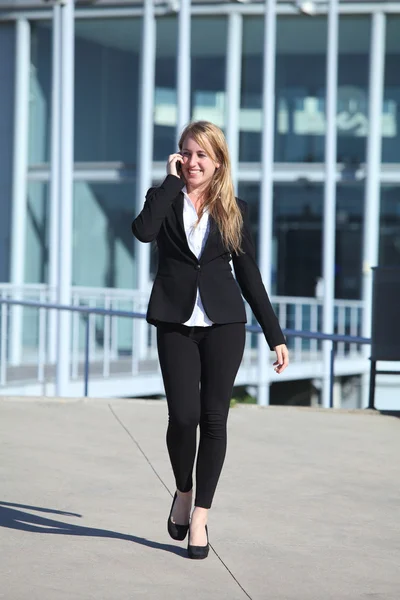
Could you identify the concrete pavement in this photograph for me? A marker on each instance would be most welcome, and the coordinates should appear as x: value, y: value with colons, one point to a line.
x: 308, y: 505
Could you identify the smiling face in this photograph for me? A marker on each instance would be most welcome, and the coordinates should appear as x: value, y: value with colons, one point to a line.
x: 198, y: 167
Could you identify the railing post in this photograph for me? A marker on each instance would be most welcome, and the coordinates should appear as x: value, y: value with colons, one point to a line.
x: 332, y: 374
x: 372, y: 379
x: 87, y: 345
x: 263, y: 379
x: 3, y: 345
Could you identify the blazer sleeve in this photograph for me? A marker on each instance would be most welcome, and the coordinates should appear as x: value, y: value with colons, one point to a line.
x: 147, y: 224
x: 249, y: 279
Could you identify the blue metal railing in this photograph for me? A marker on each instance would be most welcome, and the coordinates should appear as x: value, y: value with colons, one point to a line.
x: 88, y: 311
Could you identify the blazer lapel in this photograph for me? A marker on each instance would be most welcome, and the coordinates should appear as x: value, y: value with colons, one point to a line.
x: 213, y: 235
x: 178, y: 208
x: 213, y: 241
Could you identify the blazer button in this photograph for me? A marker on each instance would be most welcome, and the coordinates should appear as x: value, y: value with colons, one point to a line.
x: 197, y: 267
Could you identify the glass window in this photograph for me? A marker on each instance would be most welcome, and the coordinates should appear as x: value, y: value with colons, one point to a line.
x: 297, y: 233
x: 37, y: 233
x: 251, y: 90
x: 391, y: 104
x: 250, y: 193
x: 40, y: 93
x: 300, y: 89
x: 165, y: 117
x: 7, y: 74
x: 106, y: 89
x: 103, y: 245
x: 353, y: 81
x: 349, y: 241
x: 298, y: 229
x: 208, y: 65
x: 389, y: 244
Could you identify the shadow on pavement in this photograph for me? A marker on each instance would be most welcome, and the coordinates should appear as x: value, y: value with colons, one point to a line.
x: 12, y: 518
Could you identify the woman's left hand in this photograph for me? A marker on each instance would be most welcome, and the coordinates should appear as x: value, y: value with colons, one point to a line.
x: 282, y: 358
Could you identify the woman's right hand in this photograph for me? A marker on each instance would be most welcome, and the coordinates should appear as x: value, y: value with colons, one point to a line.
x: 173, y: 161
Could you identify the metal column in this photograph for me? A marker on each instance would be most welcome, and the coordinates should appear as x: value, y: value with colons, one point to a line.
x: 66, y: 196
x: 267, y: 183
x: 233, y: 84
x: 183, y: 67
x: 372, y: 183
x: 19, y: 179
x: 329, y: 229
x: 145, y: 153
x: 54, y: 179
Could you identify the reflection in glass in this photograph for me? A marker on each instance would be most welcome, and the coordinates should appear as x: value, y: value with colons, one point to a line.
x: 103, y: 248
x: 208, y: 64
x: 7, y: 47
x: 298, y: 226
x: 251, y: 90
x: 389, y: 242
x: 40, y: 93
x: 391, y: 104
x: 165, y: 115
x: 300, y: 122
x: 353, y: 80
x: 300, y: 89
x: 106, y: 89
x: 349, y: 241
x: 36, y: 257
x: 297, y: 229
x: 250, y: 193
x: 37, y: 233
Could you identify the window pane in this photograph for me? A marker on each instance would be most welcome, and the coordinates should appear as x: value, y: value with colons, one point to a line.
x: 298, y: 225
x: 349, y: 241
x: 251, y: 90
x: 353, y: 81
x: 391, y: 105
x: 297, y: 231
x: 300, y: 89
x: 36, y: 240
x: 7, y: 46
x: 40, y: 93
x: 165, y: 117
x: 250, y: 193
x: 106, y: 89
x: 103, y: 247
x: 389, y: 245
x: 208, y: 66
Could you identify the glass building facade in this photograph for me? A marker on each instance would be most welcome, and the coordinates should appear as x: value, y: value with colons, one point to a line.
x: 128, y: 61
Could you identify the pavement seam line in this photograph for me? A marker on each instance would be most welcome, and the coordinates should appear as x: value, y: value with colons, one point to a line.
x: 139, y: 448
x: 166, y: 487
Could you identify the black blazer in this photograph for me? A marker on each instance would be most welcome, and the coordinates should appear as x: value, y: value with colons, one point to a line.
x: 180, y: 273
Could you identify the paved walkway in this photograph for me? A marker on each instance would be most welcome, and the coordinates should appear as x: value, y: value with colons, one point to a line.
x: 308, y: 506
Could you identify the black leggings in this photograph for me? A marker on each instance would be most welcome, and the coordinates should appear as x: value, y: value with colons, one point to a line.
x: 199, y: 366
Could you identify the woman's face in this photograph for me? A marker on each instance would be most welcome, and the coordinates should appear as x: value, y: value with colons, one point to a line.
x: 198, y: 167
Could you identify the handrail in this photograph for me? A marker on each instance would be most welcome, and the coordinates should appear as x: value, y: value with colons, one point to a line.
x: 316, y: 335
x: 87, y: 311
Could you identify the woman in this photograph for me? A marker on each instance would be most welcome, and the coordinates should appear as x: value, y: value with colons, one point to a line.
x: 196, y: 305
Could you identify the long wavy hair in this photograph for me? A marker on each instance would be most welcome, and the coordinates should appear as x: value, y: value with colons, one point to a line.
x: 219, y: 199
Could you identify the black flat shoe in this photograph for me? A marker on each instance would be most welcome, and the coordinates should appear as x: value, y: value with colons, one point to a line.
x: 177, y: 532
x: 198, y: 552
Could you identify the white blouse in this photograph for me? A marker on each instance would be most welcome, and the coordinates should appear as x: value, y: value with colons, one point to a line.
x: 196, y: 238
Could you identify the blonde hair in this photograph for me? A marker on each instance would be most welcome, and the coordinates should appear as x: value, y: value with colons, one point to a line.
x: 219, y: 198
